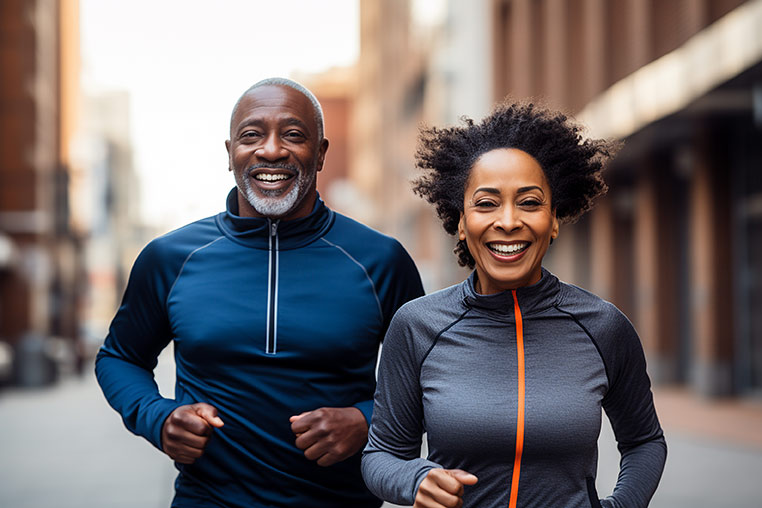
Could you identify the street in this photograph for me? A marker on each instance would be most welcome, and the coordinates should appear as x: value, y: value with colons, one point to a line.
x: 63, y: 447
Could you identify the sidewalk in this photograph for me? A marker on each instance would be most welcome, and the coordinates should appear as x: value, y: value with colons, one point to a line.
x: 63, y: 447
x: 734, y: 421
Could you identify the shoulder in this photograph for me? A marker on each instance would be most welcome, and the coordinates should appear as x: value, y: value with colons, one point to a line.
x: 598, y: 316
x: 429, y: 315
x: 348, y: 231
x: 173, y: 248
x: 364, y: 243
x: 610, y: 330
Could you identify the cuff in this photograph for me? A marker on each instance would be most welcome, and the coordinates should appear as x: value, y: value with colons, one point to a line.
x: 366, y: 408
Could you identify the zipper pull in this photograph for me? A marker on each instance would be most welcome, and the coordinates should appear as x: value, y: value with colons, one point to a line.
x: 273, y: 228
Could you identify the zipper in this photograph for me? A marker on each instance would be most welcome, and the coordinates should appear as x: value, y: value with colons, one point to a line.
x: 521, y: 396
x: 271, y: 345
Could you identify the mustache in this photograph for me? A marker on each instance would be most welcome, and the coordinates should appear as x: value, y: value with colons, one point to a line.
x: 273, y: 165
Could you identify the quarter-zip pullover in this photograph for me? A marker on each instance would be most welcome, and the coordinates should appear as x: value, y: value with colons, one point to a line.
x: 510, y: 387
x: 268, y: 319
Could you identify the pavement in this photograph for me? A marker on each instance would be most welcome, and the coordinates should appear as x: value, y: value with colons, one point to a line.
x: 63, y: 447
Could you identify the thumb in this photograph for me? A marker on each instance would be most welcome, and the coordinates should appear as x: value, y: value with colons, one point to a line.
x: 208, y: 413
x: 292, y: 419
x: 463, y: 477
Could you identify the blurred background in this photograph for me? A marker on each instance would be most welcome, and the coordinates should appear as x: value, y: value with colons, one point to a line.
x: 112, y: 122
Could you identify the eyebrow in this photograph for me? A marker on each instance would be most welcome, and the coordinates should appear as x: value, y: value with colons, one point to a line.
x: 490, y: 190
x: 520, y: 190
x: 258, y: 122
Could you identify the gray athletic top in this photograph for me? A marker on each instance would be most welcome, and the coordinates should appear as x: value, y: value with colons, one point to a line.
x: 475, y: 372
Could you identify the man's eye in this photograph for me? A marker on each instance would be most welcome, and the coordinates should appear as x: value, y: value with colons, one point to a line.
x: 294, y: 135
x: 250, y: 134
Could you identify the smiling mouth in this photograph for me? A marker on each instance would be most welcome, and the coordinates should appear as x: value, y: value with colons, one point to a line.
x: 508, y: 249
x: 272, y: 177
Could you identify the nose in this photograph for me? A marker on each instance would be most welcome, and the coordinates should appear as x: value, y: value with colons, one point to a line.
x: 508, y: 219
x: 271, y: 149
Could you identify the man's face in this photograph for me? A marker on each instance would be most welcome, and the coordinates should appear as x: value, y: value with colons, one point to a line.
x: 275, y: 154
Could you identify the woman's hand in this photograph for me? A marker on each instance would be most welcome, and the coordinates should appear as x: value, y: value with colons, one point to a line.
x: 443, y: 488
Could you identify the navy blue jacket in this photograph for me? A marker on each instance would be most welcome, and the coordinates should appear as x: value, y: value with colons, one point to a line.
x: 268, y: 319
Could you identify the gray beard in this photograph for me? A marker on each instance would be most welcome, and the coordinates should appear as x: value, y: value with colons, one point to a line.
x: 274, y: 203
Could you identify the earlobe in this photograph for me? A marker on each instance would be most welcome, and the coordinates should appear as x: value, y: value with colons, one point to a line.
x: 554, y: 232
x: 227, y: 149
x: 321, y: 157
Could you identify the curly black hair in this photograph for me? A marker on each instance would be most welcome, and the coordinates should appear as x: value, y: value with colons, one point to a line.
x: 571, y: 163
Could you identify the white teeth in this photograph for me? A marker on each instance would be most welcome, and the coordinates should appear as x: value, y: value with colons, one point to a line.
x: 508, y: 249
x: 266, y: 177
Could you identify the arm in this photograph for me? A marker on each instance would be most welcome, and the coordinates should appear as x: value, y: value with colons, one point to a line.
x: 330, y: 435
x: 396, y: 285
x: 629, y: 406
x: 139, y: 331
x: 391, y: 463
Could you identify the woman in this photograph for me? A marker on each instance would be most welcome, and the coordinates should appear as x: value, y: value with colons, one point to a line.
x: 507, y: 371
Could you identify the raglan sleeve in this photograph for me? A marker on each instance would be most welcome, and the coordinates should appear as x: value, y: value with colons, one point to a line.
x: 391, y: 462
x: 630, y: 408
x: 397, y: 283
x: 400, y: 283
x: 138, y: 333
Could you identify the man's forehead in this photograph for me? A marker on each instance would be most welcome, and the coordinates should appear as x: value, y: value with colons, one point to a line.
x: 275, y: 99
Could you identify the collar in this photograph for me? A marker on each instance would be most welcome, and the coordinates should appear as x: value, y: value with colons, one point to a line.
x: 532, y: 299
x: 255, y: 231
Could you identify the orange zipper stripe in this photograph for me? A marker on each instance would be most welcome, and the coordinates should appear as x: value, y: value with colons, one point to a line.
x: 520, y: 418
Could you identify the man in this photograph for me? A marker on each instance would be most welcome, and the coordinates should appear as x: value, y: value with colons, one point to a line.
x: 276, y: 308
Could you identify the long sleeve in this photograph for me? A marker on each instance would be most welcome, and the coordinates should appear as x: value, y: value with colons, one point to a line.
x: 397, y: 282
x: 391, y: 464
x: 139, y: 331
x: 630, y: 408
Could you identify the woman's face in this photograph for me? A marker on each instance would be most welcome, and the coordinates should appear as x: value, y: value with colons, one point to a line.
x: 507, y: 219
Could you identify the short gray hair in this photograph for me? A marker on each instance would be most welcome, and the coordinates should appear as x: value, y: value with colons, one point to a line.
x: 291, y: 84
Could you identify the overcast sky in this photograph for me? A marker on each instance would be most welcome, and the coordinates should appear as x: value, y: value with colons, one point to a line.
x: 185, y: 63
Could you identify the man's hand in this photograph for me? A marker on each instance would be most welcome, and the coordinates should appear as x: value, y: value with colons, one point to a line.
x: 330, y: 434
x: 186, y: 431
x: 443, y: 488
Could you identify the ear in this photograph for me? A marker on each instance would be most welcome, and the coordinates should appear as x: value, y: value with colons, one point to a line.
x: 554, y: 230
x: 462, y: 227
x: 322, y: 149
x: 227, y: 148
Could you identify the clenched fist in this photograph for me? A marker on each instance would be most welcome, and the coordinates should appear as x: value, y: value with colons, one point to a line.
x: 186, y: 431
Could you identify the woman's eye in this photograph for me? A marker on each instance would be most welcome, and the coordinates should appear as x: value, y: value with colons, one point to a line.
x: 531, y: 203
x: 484, y: 204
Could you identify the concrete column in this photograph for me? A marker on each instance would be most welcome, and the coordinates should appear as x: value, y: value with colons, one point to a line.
x: 521, y: 49
x: 711, y: 296
x: 696, y: 14
x: 602, y: 273
x: 641, y: 32
x: 646, y: 266
x: 595, y: 48
x: 555, y: 60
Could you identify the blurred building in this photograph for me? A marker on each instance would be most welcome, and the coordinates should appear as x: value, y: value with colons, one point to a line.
x: 40, y: 275
x: 106, y: 205
x: 398, y: 89
x: 677, y: 243
x: 335, y: 89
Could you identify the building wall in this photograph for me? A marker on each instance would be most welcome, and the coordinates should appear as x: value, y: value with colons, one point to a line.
x: 667, y: 245
x: 40, y: 293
